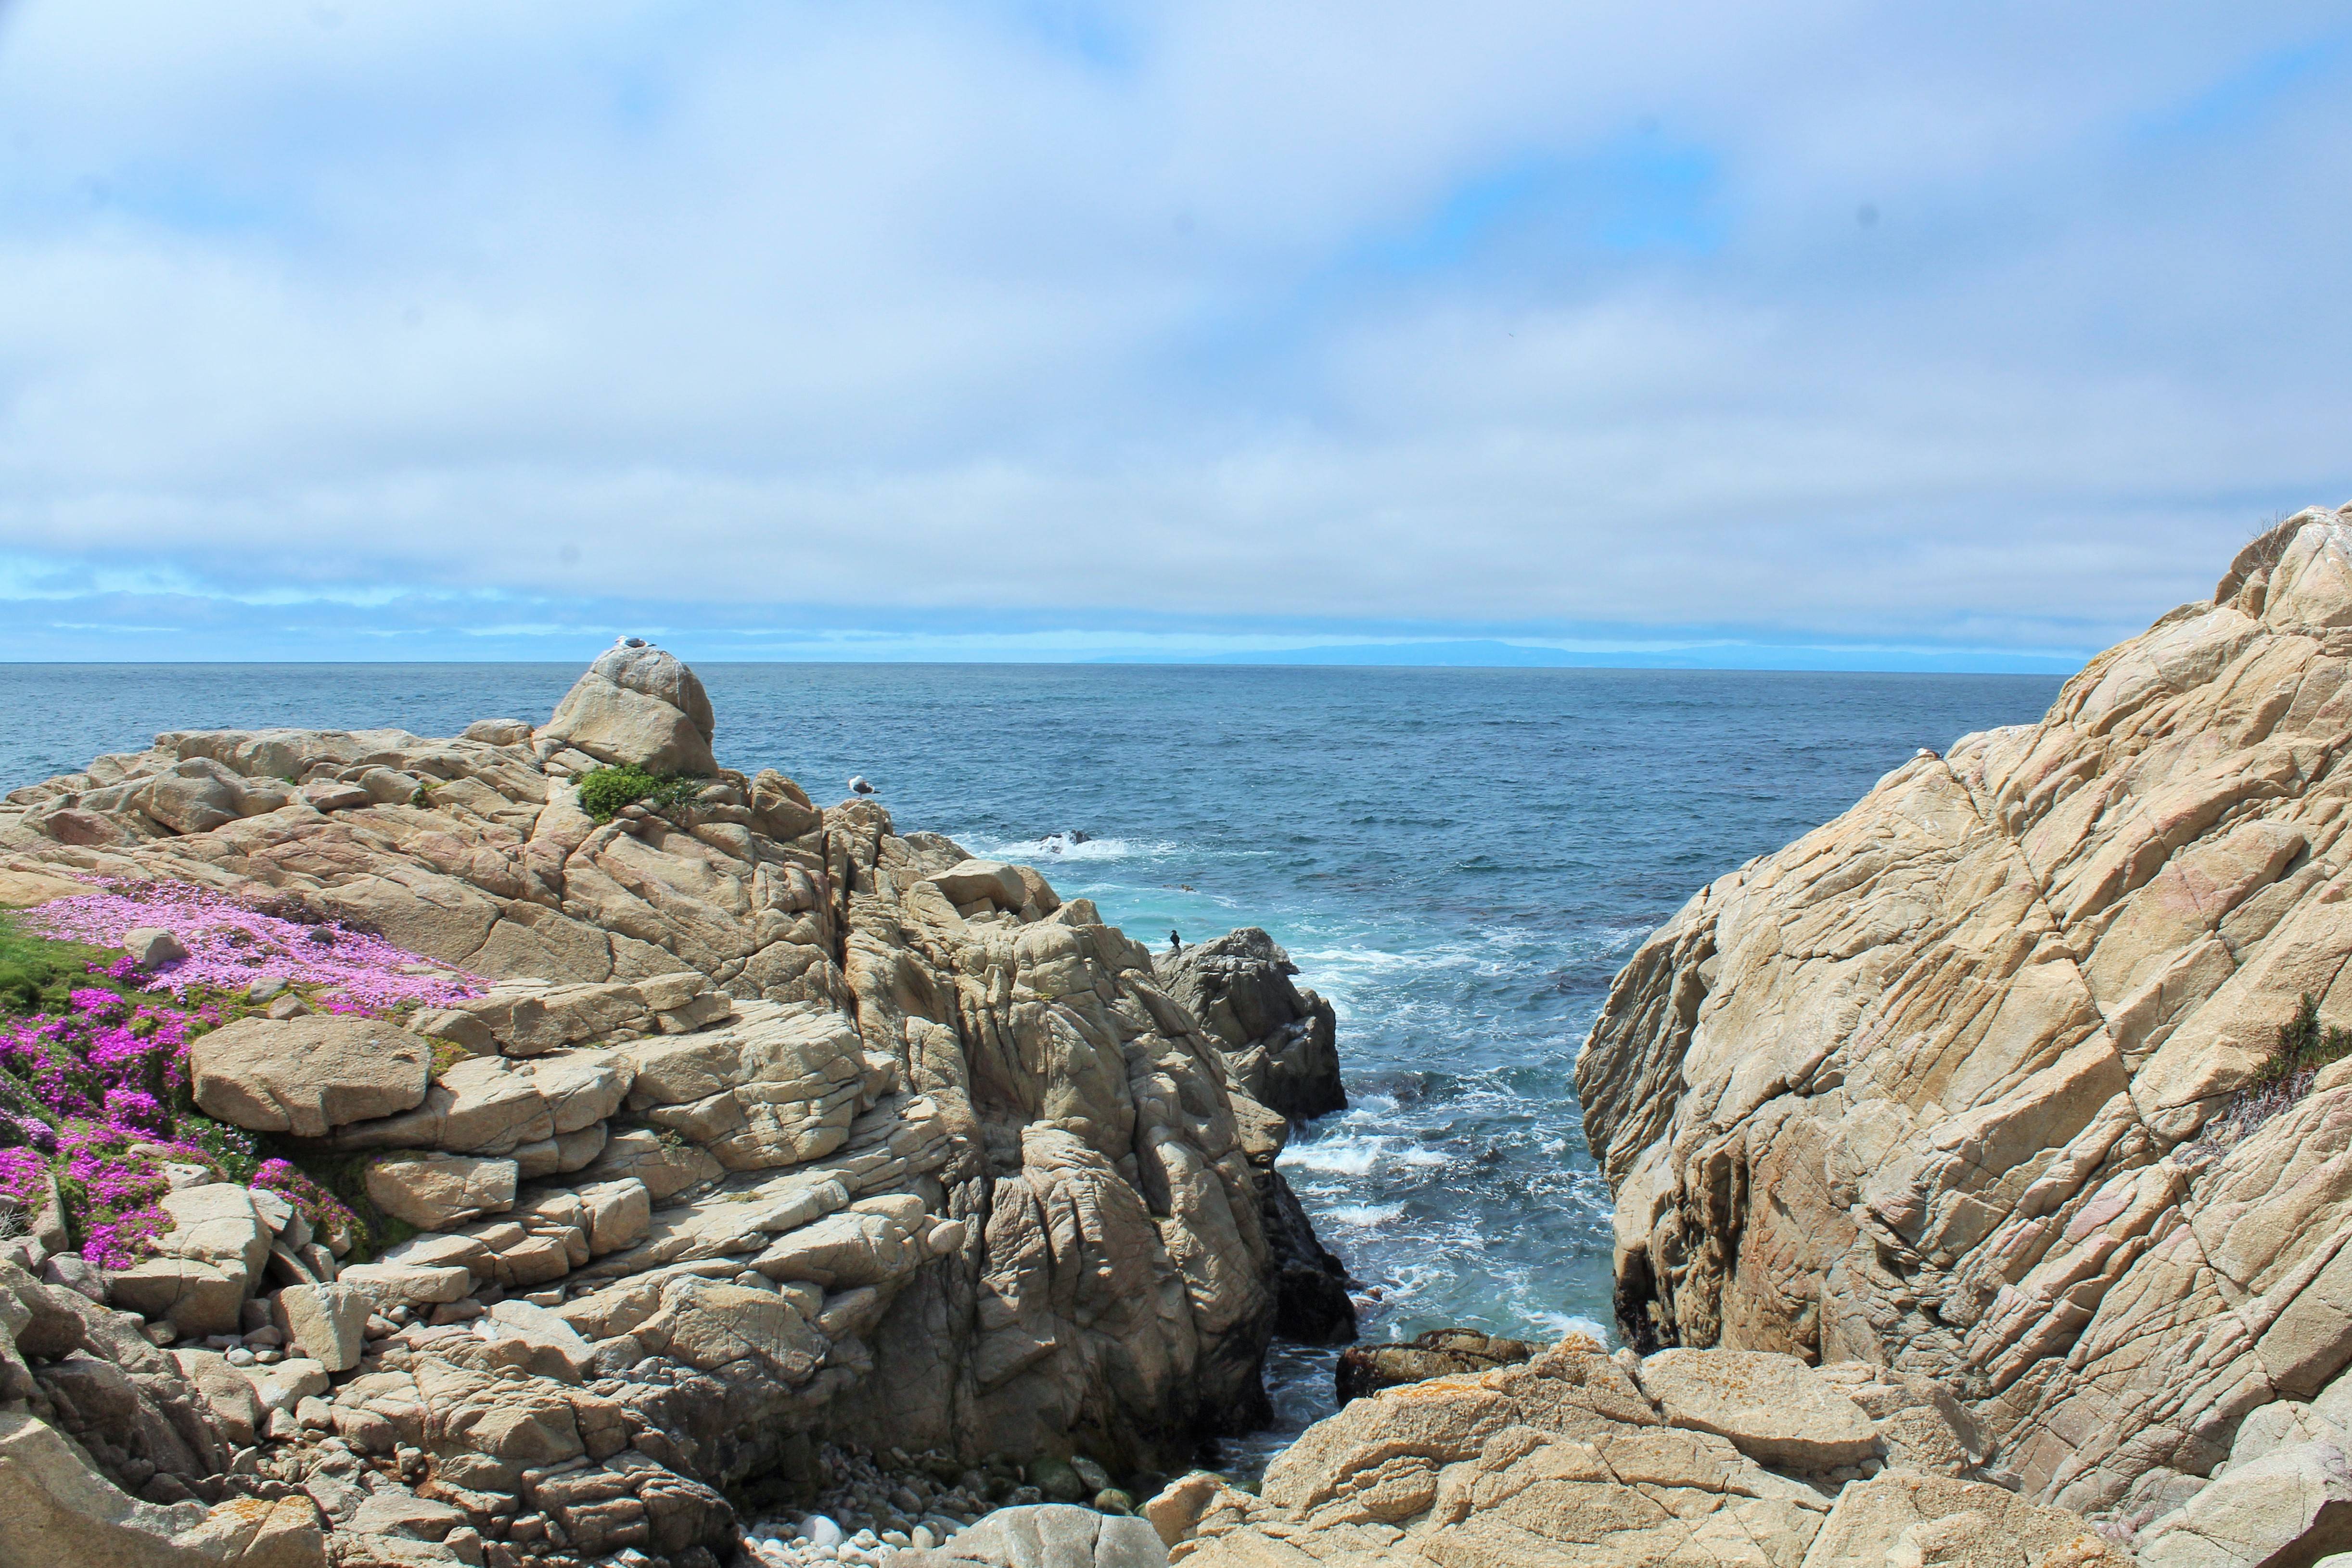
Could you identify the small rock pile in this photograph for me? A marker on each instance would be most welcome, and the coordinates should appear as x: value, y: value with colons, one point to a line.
x: 873, y: 1506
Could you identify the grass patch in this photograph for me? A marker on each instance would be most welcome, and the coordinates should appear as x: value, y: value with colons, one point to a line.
x: 604, y: 790
x: 38, y: 974
x: 2271, y: 538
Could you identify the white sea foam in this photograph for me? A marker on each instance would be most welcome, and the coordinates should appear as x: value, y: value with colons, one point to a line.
x: 1353, y: 1157
x: 1364, y: 1216
x: 1053, y: 849
x: 1378, y: 960
x: 1358, y: 1155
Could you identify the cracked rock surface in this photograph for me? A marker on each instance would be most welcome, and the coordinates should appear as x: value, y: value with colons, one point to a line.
x: 776, y: 1128
x: 1970, y: 1083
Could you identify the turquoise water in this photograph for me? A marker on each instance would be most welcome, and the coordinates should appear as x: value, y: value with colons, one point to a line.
x: 1459, y: 859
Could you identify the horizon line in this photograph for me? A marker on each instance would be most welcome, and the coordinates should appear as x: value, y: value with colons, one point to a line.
x: 1214, y: 661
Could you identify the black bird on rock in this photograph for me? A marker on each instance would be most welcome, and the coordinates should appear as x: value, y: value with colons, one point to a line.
x: 858, y: 786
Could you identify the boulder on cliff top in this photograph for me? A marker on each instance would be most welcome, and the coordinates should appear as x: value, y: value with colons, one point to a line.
x: 641, y: 708
x: 308, y: 1076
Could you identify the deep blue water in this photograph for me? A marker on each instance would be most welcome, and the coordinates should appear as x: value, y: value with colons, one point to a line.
x: 1460, y: 858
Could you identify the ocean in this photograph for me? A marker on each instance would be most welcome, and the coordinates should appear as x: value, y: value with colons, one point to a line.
x: 1460, y: 858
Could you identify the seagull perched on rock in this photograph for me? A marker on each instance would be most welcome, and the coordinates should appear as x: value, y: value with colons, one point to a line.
x: 633, y: 642
x: 858, y: 786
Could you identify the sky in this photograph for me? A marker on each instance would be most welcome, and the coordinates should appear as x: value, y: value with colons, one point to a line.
x: 1813, y: 335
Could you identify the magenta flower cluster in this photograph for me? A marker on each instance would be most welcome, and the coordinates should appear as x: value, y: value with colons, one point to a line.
x: 24, y: 1175
x: 103, y: 1058
x: 230, y: 947
x: 97, y: 1095
x: 102, y: 1074
x: 327, y: 1213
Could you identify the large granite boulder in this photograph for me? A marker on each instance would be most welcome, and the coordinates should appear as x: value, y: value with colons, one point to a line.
x: 638, y: 706
x: 205, y: 1265
x: 308, y: 1076
x: 1774, y: 1408
x: 1048, y: 1535
x: 1899, y: 1517
x: 54, y: 1509
x: 436, y: 1191
x: 1566, y: 1459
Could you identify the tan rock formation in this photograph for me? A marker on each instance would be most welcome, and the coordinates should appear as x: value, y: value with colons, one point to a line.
x: 1953, y: 1085
x: 776, y: 1127
x: 307, y: 1076
x: 1280, y: 1041
x: 1567, y: 1462
x: 637, y: 706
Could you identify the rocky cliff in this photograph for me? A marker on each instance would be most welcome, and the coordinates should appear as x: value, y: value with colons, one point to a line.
x: 2005, y: 1080
x: 737, y: 1126
x: 1685, y: 1458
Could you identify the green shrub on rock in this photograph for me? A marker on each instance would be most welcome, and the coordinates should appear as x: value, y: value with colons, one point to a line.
x: 604, y: 790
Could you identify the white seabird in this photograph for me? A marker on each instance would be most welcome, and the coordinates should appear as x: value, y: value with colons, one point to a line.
x: 858, y: 786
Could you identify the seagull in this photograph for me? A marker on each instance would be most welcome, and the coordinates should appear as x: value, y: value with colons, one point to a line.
x: 1925, y: 751
x: 633, y: 642
x: 858, y: 786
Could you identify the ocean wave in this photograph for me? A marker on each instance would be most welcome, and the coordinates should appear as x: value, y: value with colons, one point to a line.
x: 1355, y: 1155
x: 1364, y: 1216
x: 1378, y: 959
x: 1054, y: 848
x: 1333, y: 1156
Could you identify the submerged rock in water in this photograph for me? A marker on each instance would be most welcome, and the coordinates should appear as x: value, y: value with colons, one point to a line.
x: 1440, y: 1352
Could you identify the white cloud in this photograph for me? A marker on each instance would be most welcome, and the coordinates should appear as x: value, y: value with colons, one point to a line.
x: 1509, y: 315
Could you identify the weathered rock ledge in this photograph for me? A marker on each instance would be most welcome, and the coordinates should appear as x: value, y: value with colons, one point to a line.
x: 1959, y: 1085
x: 778, y: 1127
x: 1581, y: 1459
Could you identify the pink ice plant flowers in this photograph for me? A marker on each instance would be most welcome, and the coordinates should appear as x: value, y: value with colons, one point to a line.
x: 91, y: 1092
x: 230, y: 947
x: 104, y: 1075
